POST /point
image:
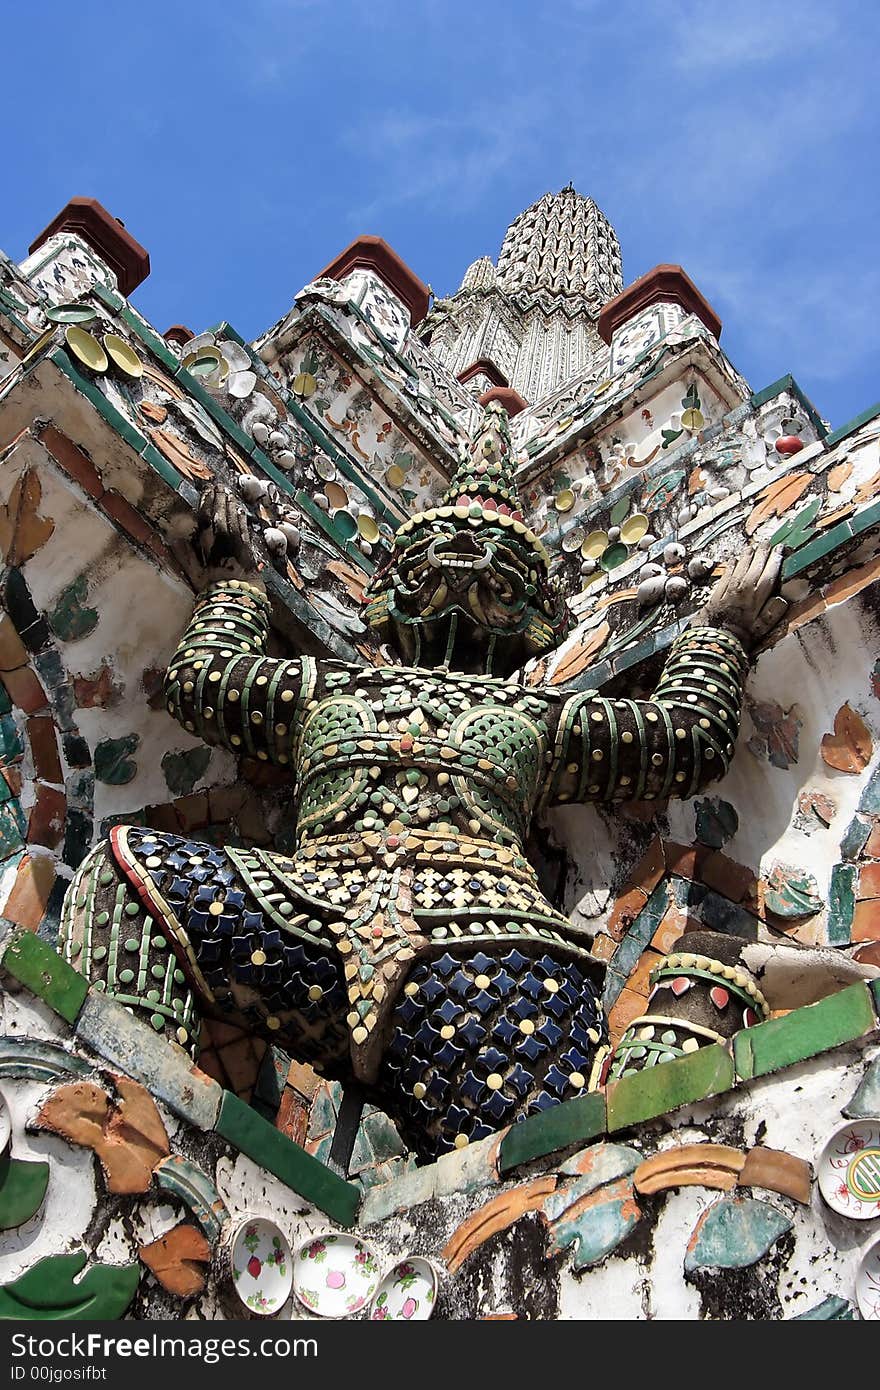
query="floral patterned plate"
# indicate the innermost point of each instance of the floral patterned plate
(849, 1170)
(868, 1284)
(407, 1292)
(262, 1267)
(335, 1275)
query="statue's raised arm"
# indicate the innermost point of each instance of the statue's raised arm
(220, 684)
(683, 738)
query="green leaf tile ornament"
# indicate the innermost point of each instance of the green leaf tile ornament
(733, 1233)
(71, 618)
(791, 892)
(22, 1189)
(113, 764)
(183, 770)
(716, 821)
(47, 1292)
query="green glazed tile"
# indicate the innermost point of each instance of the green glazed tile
(193, 1186)
(804, 1032)
(831, 1309)
(733, 1233)
(865, 1104)
(254, 1136)
(22, 1189)
(804, 557)
(875, 991)
(29, 1059)
(556, 1128)
(868, 516)
(647, 1094)
(47, 1292)
(841, 904)
(33, 963)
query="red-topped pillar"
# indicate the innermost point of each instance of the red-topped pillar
(665, 284)
(374, 254)
(106, 235)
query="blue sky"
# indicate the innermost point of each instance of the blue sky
(246, 144)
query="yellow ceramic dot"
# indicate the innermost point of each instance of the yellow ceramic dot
(657, 759)
(188, 724)
(597, 717)
(447, 1031)
(256, 717)
(681, 733)
(273, 1023)
(410, 989)
(461, 1141)
(626, 736)
(214, 676)
(494, 1081)
(281, 728)
(419, 1089)
(679, 776)
(704, 724)
(593, 1035)
(625, 781)
(187, 687)
(652, 715)
(597, 755)
(235, 740)
(154, 862)
(551, 986)
(578, 1080)
(287, 696)
(352, 1019)
(482, 982)
(527, 1027)
(215, 909)
(262, 680)
(258, 957)
(315, 992)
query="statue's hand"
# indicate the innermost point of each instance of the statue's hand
(746, 600)
(221, 546)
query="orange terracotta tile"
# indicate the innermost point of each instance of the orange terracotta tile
(690, 1165)
(832, 518)
(96, 692)
(725, 876)
(24, 690)
(868, 488)
(44, 748)
(581, 654)
(849, 584)
(685, 860)
(625, 910)
(124, 513)
(673, 924)
(869, 881)
(74, 462)
(47, 817)
(293, 1116)
(175, 1259)
(777, 498)
(304, 1080)
(777, 1172)
(849, 747)
(495, 1216)
(626, 1007)
(638, 980)
(603, 946)
(838, 475)
(34, 880)
(650, 868)
(804, 612)
(13, 652)
(31, 530)
(126, 1133)
(866, 920)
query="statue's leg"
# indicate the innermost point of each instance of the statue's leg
(123, 950)
(481, 1040)
(171, 928)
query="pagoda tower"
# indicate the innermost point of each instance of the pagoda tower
(529, 322)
